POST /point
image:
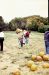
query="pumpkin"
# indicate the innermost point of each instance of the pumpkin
(34, 67)
(46, 57)
(39, 58)
(46, 65)
(41, 54)
(33, 57)
(16, 73)
(29, 63)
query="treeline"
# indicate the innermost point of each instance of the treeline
(3, 25)
(34, 23)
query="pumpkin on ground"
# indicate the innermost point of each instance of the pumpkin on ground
(29, 63)
(46, 65)
(33, 57)
(39, 58)
(41, 54)
(34, 67)
(17, 72)
(46, 57)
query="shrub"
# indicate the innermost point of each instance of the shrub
(33, 26)
(46, 27)
(41, 29)
(12, 26)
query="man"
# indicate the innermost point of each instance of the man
(1, 38)
(46, 38)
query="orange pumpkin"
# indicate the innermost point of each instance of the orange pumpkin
(17, 72)
(41, 54)
(34, 67)
(46, 57)
(39, 58)
(46, 65)
(33, 57)
(29, 63)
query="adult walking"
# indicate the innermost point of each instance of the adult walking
(1, 39)
(46, 38)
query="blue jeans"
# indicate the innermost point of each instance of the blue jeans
(27, 40)
(47, 47)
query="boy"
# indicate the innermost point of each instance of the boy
(21, 41)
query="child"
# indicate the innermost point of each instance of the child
(26, 35)
(24, 39)
(21, 41)
(1, 38)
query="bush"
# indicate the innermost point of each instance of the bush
(12, 26)
(33, 26)
(42, 29)
(29, 26)
(46, 27)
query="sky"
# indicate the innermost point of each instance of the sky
(10, 9)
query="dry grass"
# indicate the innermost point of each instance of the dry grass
(13, 57)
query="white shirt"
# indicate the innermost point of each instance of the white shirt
(1, 34)
(24, 40)
(25, 32)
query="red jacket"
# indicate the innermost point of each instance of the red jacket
(27, 34)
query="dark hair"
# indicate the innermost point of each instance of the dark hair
(0, 29)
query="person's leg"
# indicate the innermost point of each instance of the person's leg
(27, 40)
(21, 44)
(47, 48)
(1, 45)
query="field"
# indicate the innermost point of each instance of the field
(14, 57)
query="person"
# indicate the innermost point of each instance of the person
(46, 38)
(24, 40)
(26, 35)
(1, 38)
(21, 41)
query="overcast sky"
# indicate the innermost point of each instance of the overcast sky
(10, 9)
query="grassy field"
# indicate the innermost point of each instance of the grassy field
(12, 57)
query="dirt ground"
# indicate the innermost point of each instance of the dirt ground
(13, 57)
